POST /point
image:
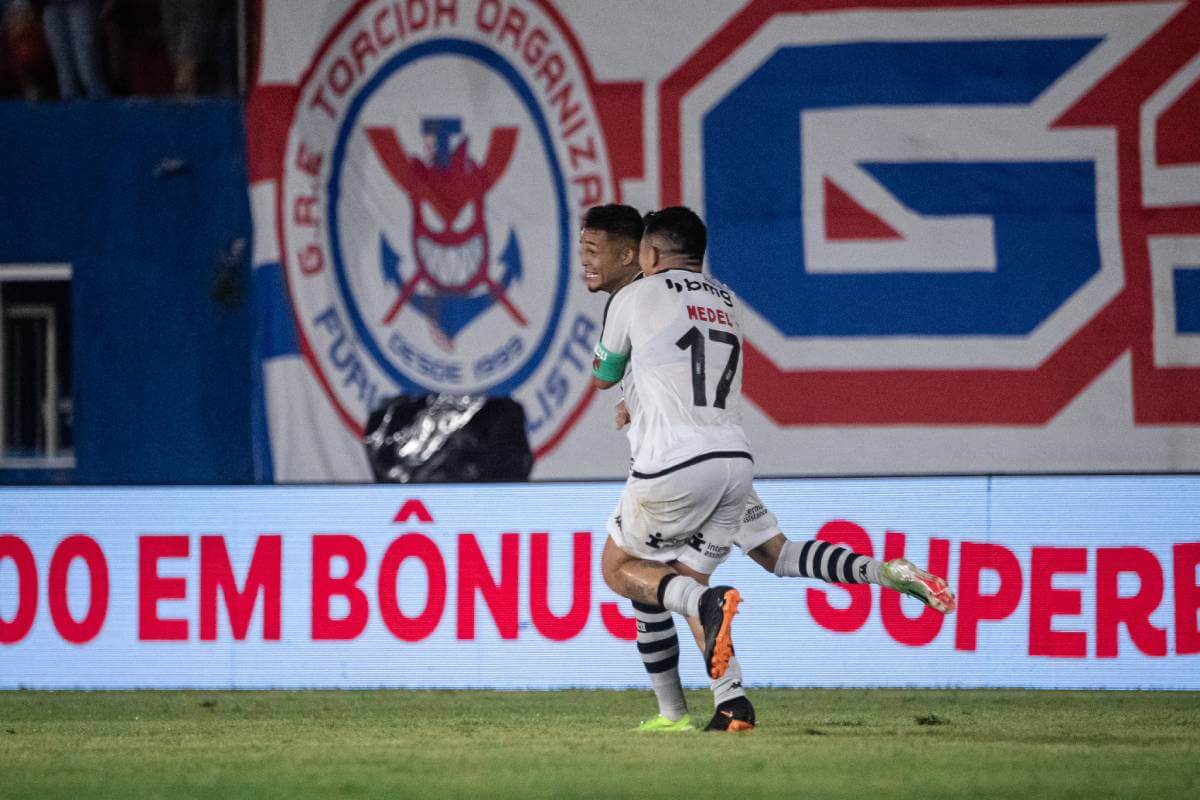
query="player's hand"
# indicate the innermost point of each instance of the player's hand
(622, 415)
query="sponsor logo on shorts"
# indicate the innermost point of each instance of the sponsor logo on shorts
(656, 541)
(707, 549)
(753, 513)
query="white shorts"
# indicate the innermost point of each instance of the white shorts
(759, 525)
(690, 514)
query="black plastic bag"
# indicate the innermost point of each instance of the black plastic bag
(444, 438)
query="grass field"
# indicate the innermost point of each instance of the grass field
(811, 743)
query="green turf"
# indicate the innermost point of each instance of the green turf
(811, 743)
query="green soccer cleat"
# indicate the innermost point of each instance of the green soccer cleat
(906, 578)
(661, 724)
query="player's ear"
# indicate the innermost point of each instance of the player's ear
(654, 254)
(629, 256)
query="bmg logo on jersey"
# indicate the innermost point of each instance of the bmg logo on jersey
(437, 167)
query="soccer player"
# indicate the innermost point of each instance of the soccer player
(678, 335)
(609, 245)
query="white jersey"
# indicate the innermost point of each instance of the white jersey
(677, 336)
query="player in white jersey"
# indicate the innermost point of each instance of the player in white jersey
(678, 336)
(609, 245)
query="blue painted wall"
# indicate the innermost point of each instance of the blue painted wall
(146, 200)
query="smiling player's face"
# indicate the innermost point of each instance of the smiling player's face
(608, 261)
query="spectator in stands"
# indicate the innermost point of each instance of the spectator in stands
(126, 47)
(70, 27)
(187, 27)
(133, 36)
(225, 45)
(24, 57)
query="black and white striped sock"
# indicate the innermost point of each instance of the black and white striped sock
(659, 646)
(831, 563)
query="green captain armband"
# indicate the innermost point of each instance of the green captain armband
(608, 366)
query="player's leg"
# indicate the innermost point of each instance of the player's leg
(633, 578)
(658, 645)
(760, 538)
(639, 579)
(733, 710)
(810, 558)
(707, 550)
(657, 641)
(653, 583)
(789, 558)
(728, 686)
(653, 524)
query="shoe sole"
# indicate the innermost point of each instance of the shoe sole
(937, 593)
(739, 726)
(723, 646)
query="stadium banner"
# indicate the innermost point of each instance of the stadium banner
(1063, 582)
(966, 234)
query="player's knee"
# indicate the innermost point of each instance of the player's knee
(763, 558)
(609, 576)
(696, 575)
(766, 555)
(610, 564)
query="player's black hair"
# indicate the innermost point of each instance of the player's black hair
(681, 229)
(615, 220)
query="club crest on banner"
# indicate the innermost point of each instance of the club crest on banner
(439, 161)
